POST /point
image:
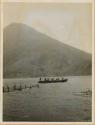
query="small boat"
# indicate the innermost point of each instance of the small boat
(52, 80)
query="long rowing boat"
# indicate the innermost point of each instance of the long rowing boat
(52, 80)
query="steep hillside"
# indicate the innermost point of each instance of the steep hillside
(29, 53)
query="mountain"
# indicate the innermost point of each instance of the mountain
(29, 53)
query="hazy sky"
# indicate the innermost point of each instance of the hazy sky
(67, 22)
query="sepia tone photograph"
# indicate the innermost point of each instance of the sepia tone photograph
(47, 62)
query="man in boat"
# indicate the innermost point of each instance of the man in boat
(62, 78)
(40, 78)
(52, 79)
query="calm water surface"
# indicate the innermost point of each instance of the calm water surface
(59, 102)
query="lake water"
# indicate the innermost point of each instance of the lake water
(58, 102)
